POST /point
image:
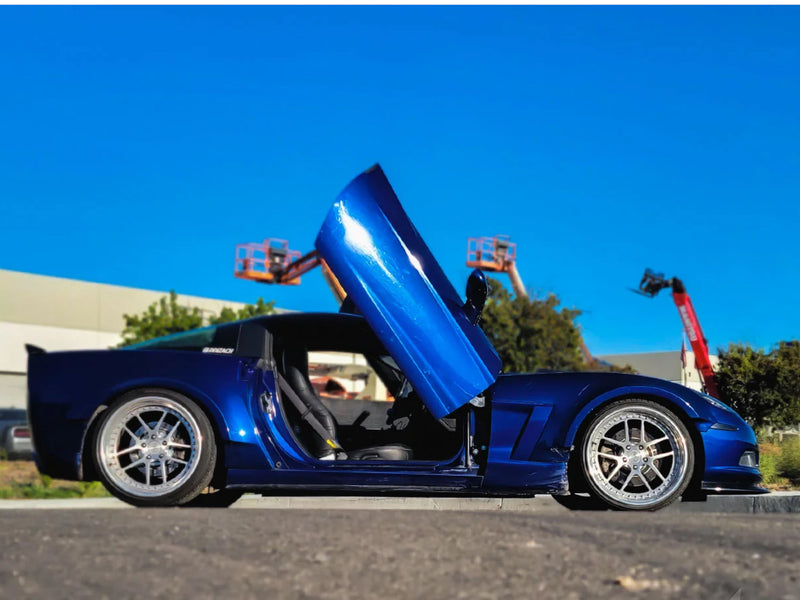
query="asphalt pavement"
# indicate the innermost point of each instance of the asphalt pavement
(349, 554)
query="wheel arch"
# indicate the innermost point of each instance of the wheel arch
(87, 470)
(682, 409)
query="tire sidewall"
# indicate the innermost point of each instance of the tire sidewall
(206, 460)
(613, 503)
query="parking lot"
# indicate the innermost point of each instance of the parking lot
(390, 553)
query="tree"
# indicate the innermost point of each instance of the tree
(531, 333)
(763, 387)
(226, 315)
(166, 317)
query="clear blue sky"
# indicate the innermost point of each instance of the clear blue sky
(139, 145)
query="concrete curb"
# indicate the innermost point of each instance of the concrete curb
(779, 502)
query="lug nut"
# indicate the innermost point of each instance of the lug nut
(635, 466)
(641, 447)
(144, 445)
(164, 443)
(627, 447)
(152, 437)
(624, 459)
(147, 457)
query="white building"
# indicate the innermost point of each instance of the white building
(664, 365)
(66, 314)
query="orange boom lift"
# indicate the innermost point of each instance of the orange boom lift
(271, 261)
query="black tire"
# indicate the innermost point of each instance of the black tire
(627, 470)
(151, 435)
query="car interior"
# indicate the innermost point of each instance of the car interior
(396, 427)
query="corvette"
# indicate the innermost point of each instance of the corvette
(200, 417)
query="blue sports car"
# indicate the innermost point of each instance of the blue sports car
(198, 418)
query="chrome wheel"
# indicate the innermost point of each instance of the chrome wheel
(637, 455)
(149, 447)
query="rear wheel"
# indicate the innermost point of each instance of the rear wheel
(155, 447)
(637, 455)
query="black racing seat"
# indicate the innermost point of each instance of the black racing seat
(295, 370)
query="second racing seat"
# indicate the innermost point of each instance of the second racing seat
(295, 370)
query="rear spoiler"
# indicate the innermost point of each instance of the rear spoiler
(31, 349)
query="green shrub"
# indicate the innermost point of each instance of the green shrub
(789, 459)
(3, 455)
(91, 489)
(768, 463)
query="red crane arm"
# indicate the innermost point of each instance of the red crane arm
(691, 324)
(649, 286)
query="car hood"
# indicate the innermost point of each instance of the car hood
(391, 276)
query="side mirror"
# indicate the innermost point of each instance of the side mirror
(477, 292)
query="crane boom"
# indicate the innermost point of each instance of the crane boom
(649, 286)
(273, 262)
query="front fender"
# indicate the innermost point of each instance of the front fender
(670, 399)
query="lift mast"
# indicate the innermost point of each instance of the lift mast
(649, 286)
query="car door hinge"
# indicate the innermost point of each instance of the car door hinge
(266, 403)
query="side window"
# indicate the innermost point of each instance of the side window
(351, 389)
(345, 376)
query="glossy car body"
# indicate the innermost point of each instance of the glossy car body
(516, 433)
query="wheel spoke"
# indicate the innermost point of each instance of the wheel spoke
(627, 432)
(614, 472)
(164, 471)
(658, 441)
(160, 421)
(178, 445)
(663, 455)
(135, 463)
(613, 441)
(141, 420)
(178, 460)
(643, 477)
(147, 474)
(609, 456)
(127, 450)
(627, 481)
(641, 433)
(656, 471)
(174, 430)
(130, 433)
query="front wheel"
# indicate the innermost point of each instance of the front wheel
(637, 455)
(155, 448)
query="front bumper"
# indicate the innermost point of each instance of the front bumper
(723, 472)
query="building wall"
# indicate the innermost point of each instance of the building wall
(663, 365)
(66, 314)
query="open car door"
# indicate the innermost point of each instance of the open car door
(390, 274)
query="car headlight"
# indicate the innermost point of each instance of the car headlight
(716, 403)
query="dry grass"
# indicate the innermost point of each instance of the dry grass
(20, 479)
